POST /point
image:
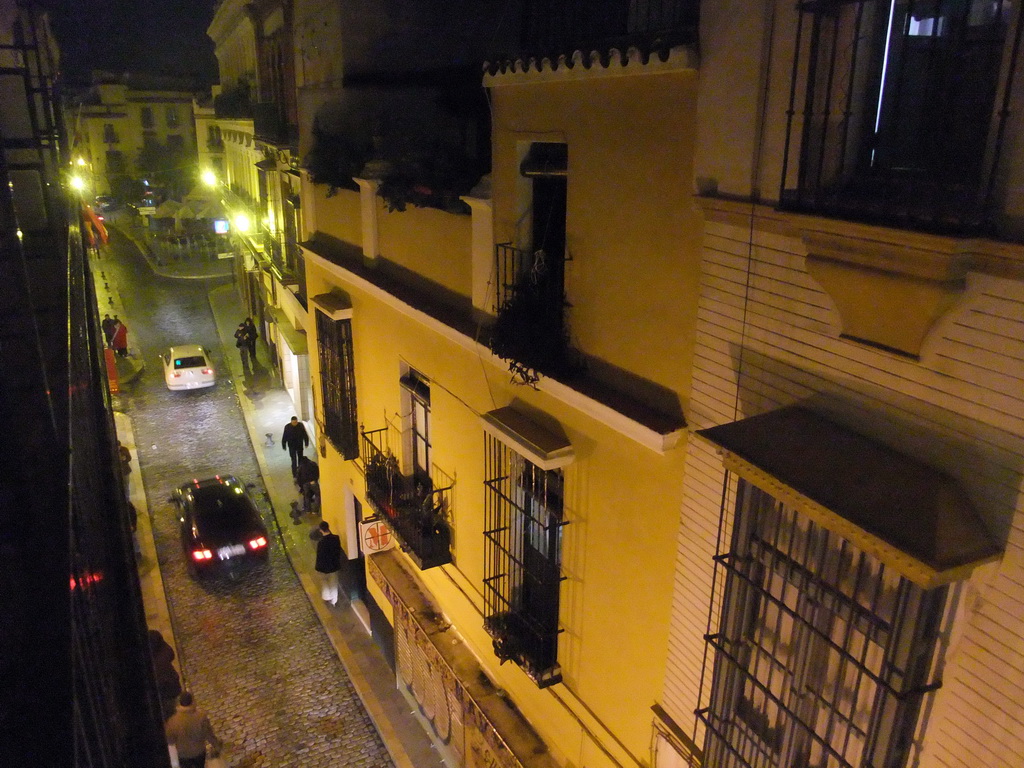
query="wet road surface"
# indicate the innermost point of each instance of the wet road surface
(250, 648)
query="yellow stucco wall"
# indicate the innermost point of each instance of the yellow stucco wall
(433, 243)
(618, 550)
(336, 214)
(631, 228)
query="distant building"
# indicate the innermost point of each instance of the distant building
(129, 128)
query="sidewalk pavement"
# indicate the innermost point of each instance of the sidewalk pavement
(266, 407)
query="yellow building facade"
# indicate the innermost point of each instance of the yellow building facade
(401, 306)
(119, 117)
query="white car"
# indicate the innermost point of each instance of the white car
(188, 367)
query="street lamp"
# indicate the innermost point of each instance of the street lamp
(242, 223)
(77, 183)
(210, 178)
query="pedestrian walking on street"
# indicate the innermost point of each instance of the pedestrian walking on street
(328, 563)
(107, 325)
(294, 439)
(119, 338)
(250, 337)
(242, 342)
(189, 731)
(306, 477)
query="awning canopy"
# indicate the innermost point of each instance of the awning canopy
(335, 305)
(544, 448)
(914, 518)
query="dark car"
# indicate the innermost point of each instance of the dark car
(221, 528)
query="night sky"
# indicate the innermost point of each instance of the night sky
(166, 37)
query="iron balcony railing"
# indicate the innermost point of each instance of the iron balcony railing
(416, 513)
(530, 330)
(898, 110)
(270, 124)
(559, 27)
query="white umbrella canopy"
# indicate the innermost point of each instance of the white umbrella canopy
(202, 194)
(167, 209)
(213, 210)
(184, 212)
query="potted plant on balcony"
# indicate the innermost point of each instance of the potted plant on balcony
(381, 476)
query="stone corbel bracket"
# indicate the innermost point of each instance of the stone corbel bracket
(890, 287)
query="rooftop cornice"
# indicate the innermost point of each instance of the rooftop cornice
(580, 65)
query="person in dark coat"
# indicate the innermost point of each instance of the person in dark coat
(306, 476)
(294, 439)
(107, 325)
(250, 337)
(242, 342)
(328, 563)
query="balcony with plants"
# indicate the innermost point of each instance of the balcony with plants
(414, 511)
(426, 143)
(530, 331)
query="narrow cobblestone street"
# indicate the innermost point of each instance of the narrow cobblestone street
(251, 649)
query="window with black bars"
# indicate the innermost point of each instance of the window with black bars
(897, 110)
(338, 384)
(823, 655)
(522, 561)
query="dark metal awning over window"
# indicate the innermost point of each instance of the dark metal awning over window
(267, 165)
(910, 516)
(541, 446)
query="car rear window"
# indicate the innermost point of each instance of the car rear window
(225, 512)
(195, 361)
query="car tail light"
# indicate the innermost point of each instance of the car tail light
(176, 374)
(258, 543)
(207, 371)
(201, 554)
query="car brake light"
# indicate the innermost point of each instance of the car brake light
(207, 371)
(258, 543)
(176, 374)
(202, 554)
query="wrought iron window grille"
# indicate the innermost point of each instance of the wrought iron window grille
(898, 110)
(338, 384)
(523, 522)
(822, 656)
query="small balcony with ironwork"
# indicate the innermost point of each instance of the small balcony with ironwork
(530, 331)
(415, 512)
(270, 124)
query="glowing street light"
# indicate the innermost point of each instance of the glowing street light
(77, 183)
(209, 178)
(242, 223)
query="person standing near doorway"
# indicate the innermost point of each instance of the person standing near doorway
(328, 563)
(294, 439)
